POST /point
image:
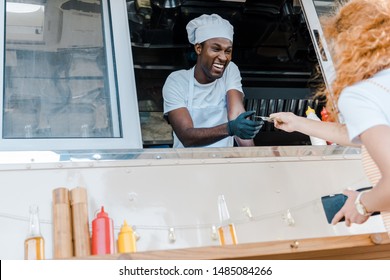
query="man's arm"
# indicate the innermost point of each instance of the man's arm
(235, 106)
(183, 126)
(180, 119)
(238, 124)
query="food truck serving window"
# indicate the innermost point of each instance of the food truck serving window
(68, 80)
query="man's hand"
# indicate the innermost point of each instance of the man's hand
(243, 127)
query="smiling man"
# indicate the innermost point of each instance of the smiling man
(204, 104)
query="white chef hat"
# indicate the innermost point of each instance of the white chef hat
(206, 27)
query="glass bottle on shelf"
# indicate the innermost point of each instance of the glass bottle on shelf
(34, 244)
(226, 229)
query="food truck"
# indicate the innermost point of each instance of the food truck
(81, 109)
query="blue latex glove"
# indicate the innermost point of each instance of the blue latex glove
(244, 128)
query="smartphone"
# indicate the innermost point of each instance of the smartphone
(334, 202)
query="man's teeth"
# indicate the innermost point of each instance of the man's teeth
(220, 66)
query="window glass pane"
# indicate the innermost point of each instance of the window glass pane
(324, 7)
(59, 81)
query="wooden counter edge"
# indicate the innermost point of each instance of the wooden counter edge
(350, 247)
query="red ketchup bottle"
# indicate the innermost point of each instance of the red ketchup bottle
(103, 241)
(324, 115)
(325, 118)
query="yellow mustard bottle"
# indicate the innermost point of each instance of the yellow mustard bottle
(311, 114)
(126, 239)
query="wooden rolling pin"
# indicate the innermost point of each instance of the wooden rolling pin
(62, 221)
(81, 235)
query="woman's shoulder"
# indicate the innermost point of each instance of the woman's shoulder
(375, 88)
(382, 77)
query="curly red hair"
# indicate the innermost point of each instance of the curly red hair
(358, 35)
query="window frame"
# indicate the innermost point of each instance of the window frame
(121, 74)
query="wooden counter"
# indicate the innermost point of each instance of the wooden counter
(352, 247)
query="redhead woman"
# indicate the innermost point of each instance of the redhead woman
(359, 41)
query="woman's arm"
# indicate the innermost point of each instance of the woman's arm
(330, 131)
(376, 140)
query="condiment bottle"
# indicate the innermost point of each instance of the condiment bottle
(126, 239)
(325, 118)
(226, 230)
(102, 234)
(34, 244)
(310, 114)
(324, 114)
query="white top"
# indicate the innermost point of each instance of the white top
(366, 104)
(206, 103)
